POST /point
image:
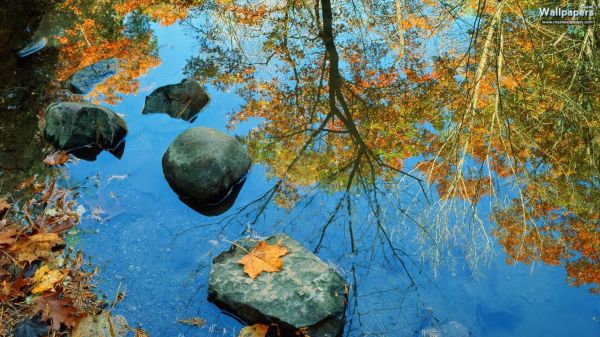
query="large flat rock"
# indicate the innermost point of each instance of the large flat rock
(306, 294)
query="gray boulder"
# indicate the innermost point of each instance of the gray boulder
(183, 100)
(306, 294)
(72, 125)
(203, 165)
(84, 81)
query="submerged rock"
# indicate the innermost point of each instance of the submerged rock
(306, 294)
(203, 165)
(84, 81)
(103, 325)
(183, 100)
(454, 329)
(450, 329)
(71, 126)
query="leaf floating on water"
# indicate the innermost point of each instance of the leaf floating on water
(56, 158)
(45, 279)
(139, 332)
(263, 258)
(97, 214)
(193, 321)
(256, 330)
(117, 177)
(31, 328)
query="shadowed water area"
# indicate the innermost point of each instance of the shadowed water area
(442, 157)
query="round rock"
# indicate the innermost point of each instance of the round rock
(203, 165)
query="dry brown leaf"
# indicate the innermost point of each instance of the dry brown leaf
(9, 291)
(45, 279)
(256, 330)
(58, 311)
(193, 321)
(263, 257)
(56, 158)
(36, 246)
(4, 206)
(7, 236)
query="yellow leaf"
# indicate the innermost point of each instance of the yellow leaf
(45, 279)
(263, 257)
(256, 330)
(36, 246)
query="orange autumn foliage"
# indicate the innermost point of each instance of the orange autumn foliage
(165, 12)
(136, 57)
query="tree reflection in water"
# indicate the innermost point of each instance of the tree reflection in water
(462, 103)
(410, 116)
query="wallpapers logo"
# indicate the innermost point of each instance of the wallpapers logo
(566, 16)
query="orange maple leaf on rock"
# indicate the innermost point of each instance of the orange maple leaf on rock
(263, 257)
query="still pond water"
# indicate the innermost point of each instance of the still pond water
(146, 241)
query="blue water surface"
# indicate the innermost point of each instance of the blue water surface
(144, 240)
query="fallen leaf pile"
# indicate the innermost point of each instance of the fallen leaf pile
(43, 289)
(263, 258)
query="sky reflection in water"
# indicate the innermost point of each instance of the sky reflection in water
(160, 250)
